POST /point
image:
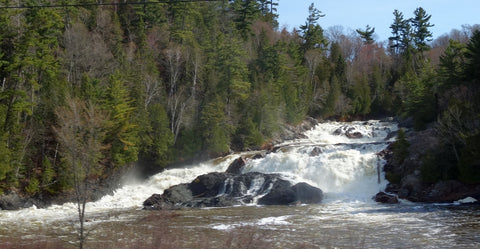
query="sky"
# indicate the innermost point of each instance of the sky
(357, 14)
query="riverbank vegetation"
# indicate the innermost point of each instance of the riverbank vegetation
(84, 84)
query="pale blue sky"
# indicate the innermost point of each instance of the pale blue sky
(354, 14)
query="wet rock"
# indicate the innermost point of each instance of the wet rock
(225, 189)
(411, 186)
(236, 166)
(316, 151)
(13, 201)
(283, 193)
(307, 194)
(447, 191)
(383, 197)
(206, 185)
(258, 156)
(391, 135)
(354, 135)
(348, 131)
(290, 132)
(280, 194)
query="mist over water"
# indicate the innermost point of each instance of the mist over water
(345, 168)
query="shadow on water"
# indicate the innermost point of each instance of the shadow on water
(437, 208)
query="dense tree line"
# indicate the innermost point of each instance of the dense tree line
(98, 87)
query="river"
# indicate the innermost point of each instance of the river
(346, 169)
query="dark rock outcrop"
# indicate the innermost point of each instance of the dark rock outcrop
(383, 197)
(226, 189)
(237, 166)
(406, 178)
(348, 131)
(290, 132)
(316, 151)
(13, 201)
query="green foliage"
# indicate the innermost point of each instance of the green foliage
(158, 139)
(123, 133)
(48, 175)
(469, 165)
(362, 101)
(333, 96)
(312, 32)
(472, 55)
(247, 135)
(421, 34)
(367, 34)
(410, 38)
(438, 165)
(214, 128)
(188, 144)
(398, 30)
(393, 178)
(400, 148)
(5, 163)
(452, 64)
(420, 100)
(246, 11)
(237, 80)
(33, 186)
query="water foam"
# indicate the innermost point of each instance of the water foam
(345, 168)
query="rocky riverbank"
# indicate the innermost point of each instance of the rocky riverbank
(407, 177)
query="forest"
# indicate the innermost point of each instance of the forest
(89, 88)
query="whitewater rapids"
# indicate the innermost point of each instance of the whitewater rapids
(344, 168)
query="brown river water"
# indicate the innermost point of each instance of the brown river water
(346, 170)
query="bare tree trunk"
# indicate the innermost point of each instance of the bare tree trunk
(81, 132)
(174, 62)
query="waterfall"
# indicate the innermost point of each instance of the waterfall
(339, 158)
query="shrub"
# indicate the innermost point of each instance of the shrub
(33, 186)
(400, 148)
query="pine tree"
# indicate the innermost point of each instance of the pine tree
(473, 57)
(312, 32)
(452, 64)
(421, 34)
(398, 27)
(367, 34)
(214, 128)
(246, 12)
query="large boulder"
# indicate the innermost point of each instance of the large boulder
(306, 193)
(237, 166)
(226, 189)
(13, 201)
(383, 197)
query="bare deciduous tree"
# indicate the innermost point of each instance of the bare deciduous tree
(80, 131)
(174, 60)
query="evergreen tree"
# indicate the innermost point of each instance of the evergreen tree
(397, 27)
(122, 135)
(214, 128)
(246, 12)
(452, 64)
(367, 34)
(312, 32)
(473, 57)
(421, 34)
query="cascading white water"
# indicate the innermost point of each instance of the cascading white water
(342, 167)
(339, 158)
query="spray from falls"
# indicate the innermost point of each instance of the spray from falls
(339, 158)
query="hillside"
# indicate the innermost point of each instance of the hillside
(88, 89)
